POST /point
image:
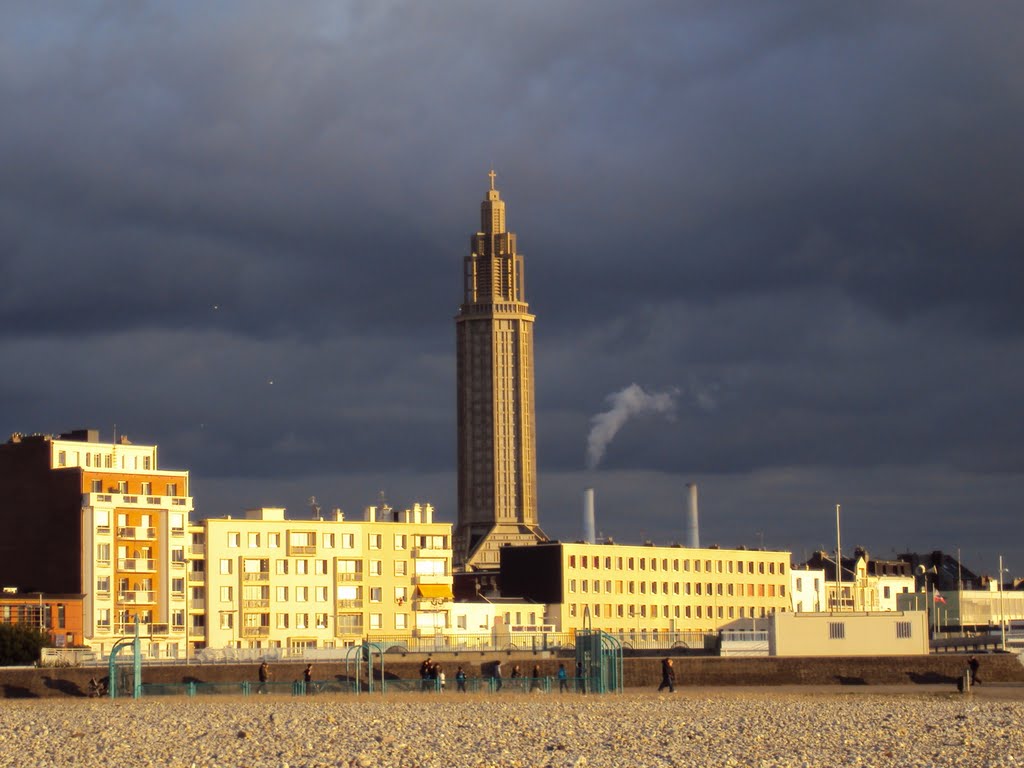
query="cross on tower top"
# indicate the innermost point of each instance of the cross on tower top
(492, 174)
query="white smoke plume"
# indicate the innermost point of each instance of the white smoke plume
(629, 402)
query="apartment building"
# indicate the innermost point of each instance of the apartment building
(271, 582)
(807, 593)
(864, 583)
(646, 588)
(103, 520)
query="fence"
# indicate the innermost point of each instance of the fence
(487, 685)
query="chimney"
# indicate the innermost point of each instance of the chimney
(692, 531)
(589, 535)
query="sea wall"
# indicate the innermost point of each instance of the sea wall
(637, 672)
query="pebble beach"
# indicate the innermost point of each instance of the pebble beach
(723, 727)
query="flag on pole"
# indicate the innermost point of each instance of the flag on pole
(939, 598)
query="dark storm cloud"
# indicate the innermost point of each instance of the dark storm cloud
(804, 217)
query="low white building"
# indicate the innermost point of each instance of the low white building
(850, 633)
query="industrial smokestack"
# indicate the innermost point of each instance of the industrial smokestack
(589, 535)
(692, 530)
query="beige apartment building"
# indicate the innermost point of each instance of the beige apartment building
(646, 589)
(103, 520)
(271, 582)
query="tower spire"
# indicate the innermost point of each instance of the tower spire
(492, 174)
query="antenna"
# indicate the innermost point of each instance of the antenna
(315, 507)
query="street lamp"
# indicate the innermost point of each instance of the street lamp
(1002, 614)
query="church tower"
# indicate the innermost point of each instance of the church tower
(497, 441)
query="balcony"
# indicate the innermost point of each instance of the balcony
(255, 631)
(432, 578)
(125, 499)
(261, 603)
(136, 564)
(136, 597)
(197, 604)
(258, 576)
(137, 533)
(197, 577)
(348, 629)
(145, 629)
(301, 550)
(435, 604)
(358, 603)
(431, 552)
(350, 576)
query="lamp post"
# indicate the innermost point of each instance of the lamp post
(1002, 615)
(839, 563)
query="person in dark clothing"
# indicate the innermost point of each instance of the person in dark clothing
(581, 681)
(973, 664)
(460, 680)
(535, 683)
(264, 675)
(307, 678)
(496, 674)
(515, 672)
(668, 676)
(563, 679)
(426, 670)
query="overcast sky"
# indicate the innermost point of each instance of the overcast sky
(236, 230)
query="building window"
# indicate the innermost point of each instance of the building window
(321, 594)
(572, 585)
(146, 489)
(225, 567)
(178, 586)
(301, 594)
(376, 567)
(375, 594)
(836, 630)
(375, 540)
(375, 621)
(320, 567)
(904, 630)
(282, 621)
(401, 568)
(103, 554)
(177, 554)
(401, 621)
(302, 621)
(282, 567)
(282, 594)
(225, 594)
(274, 540)
(122, 486)
(348, 541)
(233, 539)
(321, 620)
(399, 541)
(302, 567)
(253, 540)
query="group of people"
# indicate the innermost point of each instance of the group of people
(432, 676)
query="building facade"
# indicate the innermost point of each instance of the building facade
(645, 589)
(59, 616)
(101, 520)
(807, 590)
(497, 476)
(271, 582)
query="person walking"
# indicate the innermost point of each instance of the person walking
(973, 664)
(581, 681)
(496, 674)
(668, 676)
(563, 679)
(426, 668)
(460, 680)
(307, 678)
(535, 683)
(264, 675)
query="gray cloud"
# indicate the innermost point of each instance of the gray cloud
(810, 212)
